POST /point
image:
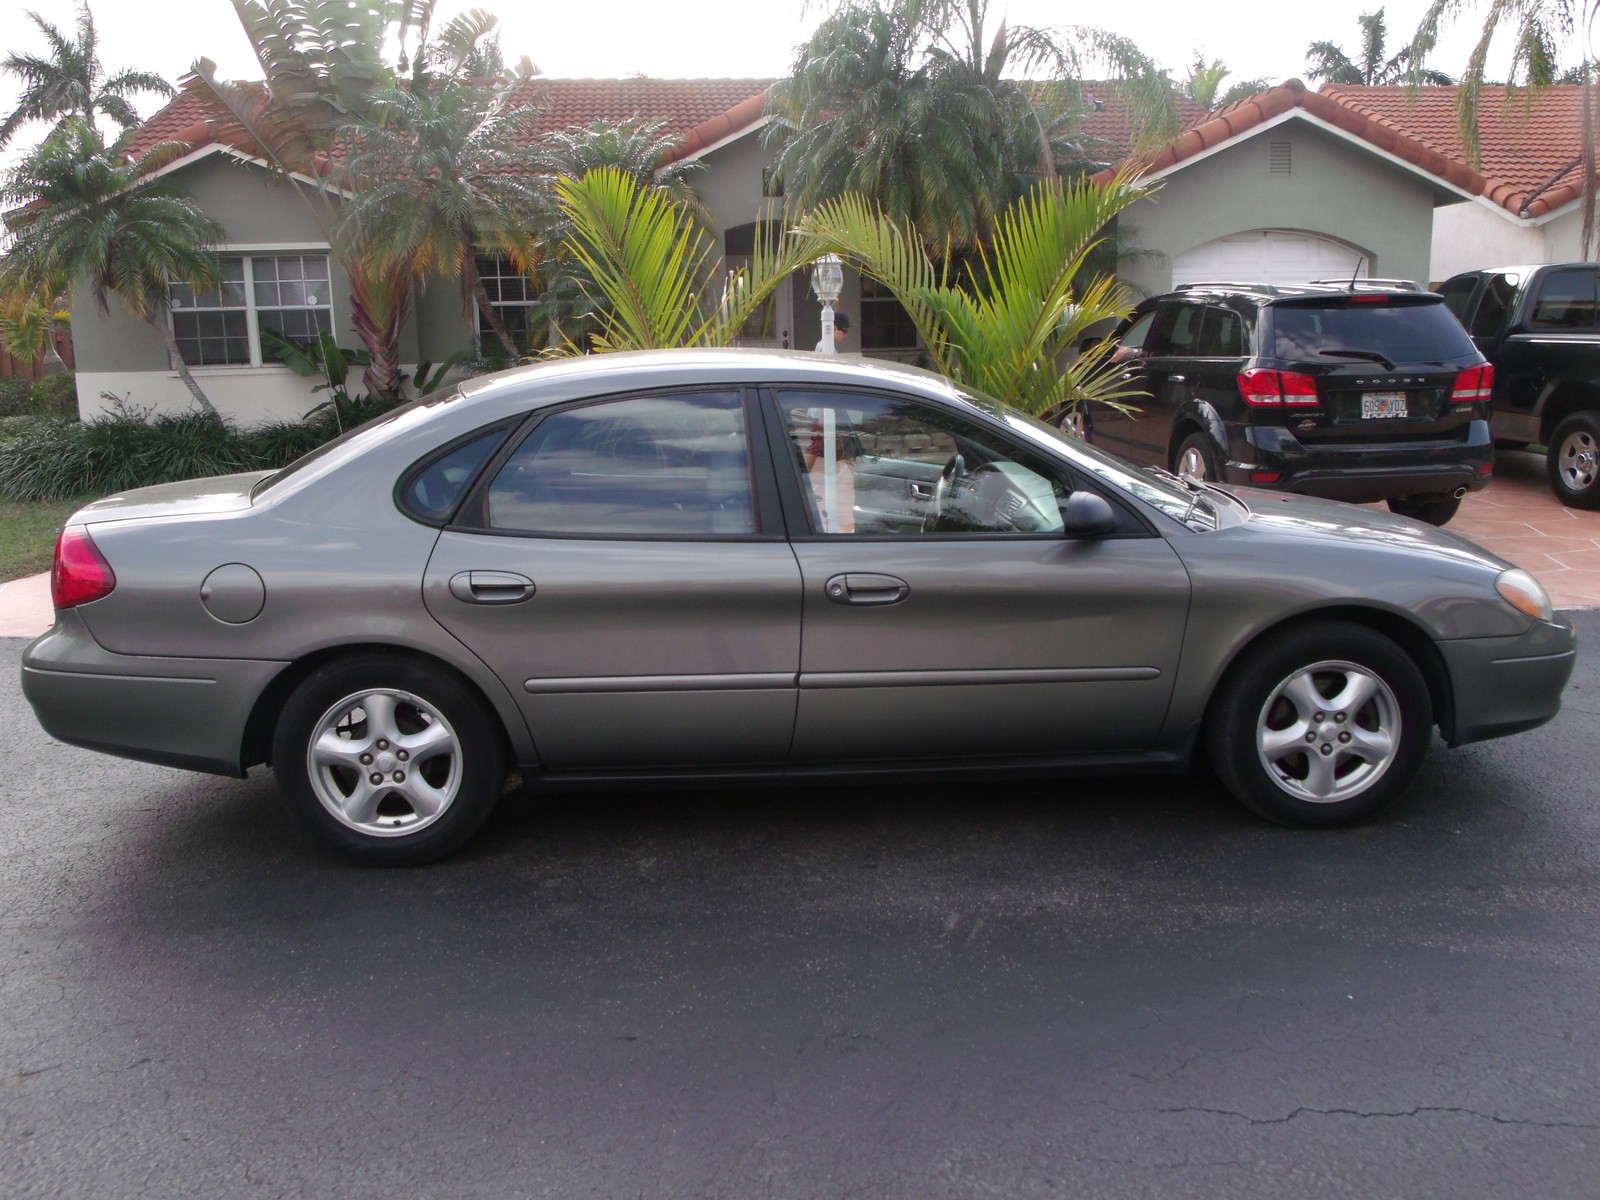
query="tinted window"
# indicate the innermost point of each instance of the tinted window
(1222, 335)
(432, 492)
(872, 465)
(1183, 331)
(1496, 303)
(1458, 294)
(1399, 332)
(1566, 301)
(1133, 338)
(673, 464)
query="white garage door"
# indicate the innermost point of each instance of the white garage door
(1267, 256)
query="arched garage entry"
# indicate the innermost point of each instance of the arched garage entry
(1268, 256)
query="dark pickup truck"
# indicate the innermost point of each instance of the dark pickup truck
(1540, 328)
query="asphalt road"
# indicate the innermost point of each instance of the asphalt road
(1109, 988)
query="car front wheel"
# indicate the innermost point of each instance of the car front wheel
(1574, 460)
(387, 759)
(1323, 725)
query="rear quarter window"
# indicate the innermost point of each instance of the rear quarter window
(1399, 332)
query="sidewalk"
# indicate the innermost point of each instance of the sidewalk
(1516, 516)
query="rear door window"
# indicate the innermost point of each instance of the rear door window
(1490, 318)
(1396, 332)
(1566, 301)
(1222, 335)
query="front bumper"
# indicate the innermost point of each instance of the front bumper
(1364, 473)
(179, 712)
(1501, 686)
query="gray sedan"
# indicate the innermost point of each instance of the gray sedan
(711, 566)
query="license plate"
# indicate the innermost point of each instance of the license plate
(1383, 404)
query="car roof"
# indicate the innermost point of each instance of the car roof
(667, 368)
(1269, 292)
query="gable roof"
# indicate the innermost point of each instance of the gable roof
(1531, 142)
(1212, 130)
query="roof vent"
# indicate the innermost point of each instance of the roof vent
(1280, 158)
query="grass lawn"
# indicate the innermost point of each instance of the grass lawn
(28, 536)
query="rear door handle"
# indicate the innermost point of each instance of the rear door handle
(867, 589)
(490, 587)
(1178, 378)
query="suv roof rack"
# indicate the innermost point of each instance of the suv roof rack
(1228, 285)
(1386, 285)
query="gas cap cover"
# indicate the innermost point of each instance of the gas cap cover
(234, 594)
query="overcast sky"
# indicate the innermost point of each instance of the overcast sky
(1257, 38)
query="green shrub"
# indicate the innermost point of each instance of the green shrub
(16, 397)
(57, 394)
(56, 459)
(23, 425)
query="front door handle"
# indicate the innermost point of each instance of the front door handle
(1178, 378)
(490, 587)
(869, 589)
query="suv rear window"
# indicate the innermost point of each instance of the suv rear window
(1398, 332)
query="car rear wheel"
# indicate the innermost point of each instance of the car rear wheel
(1434, 511)
(1197, 458)
(1574, 460)
(389, 760)
(1321, 726)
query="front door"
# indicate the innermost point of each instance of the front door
(945, 614)
(615, 574)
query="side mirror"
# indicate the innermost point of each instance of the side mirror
(1087, 515)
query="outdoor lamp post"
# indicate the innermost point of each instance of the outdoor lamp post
(827, 281)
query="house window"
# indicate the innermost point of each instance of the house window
(514, 298)
(285, 294)
(885, 325)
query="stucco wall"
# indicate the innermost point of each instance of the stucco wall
(1563, 237)
(126, 357)
(1333, 189)
(1469, 237)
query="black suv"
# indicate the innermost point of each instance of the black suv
(1356, 393)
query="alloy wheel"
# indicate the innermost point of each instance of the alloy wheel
(1328, 732)
(384, 762)
(1578, 460)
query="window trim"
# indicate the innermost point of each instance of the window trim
(472, 513)
(248, 253)
(505, 428)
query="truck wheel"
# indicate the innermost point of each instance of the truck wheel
(1197, 458)
(1435, 510)
(1574, 460)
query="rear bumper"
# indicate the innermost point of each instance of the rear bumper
(178, 712)
(1501, 686)
(1362, 474)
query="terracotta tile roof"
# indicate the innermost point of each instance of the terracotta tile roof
(699, 111)
(1110, 115)
(1531, 143)
(1384, 134)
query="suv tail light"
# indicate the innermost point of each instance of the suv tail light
(81, 573)
(1264, 388)
(1473, 385)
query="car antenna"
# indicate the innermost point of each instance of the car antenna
(1352, 288)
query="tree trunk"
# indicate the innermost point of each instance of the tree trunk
(379, 332)
(481, 295)
(158, 318)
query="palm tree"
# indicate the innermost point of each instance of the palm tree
(1204, 84)
(1539, 29)
(914, 104)
(1008, 324)
(325, 69)
(467, 147)
(1330, 63)
(89, 216)
(650, 269)
(68, 80)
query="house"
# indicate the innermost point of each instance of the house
(1531, 158)
(1287, 186)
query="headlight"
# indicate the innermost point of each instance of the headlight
(1525, 594)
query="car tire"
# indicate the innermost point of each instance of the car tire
(1574, 460)
(424, 764)
(1359, 758)
(1432, 511)
(1197, 456)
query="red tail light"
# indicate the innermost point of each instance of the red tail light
(1473, 385)
(81, 573)
(1263, 387)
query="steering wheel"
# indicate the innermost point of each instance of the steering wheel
(954, 470)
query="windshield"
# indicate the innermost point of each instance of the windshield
(1162, 491)
(1398, 332)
